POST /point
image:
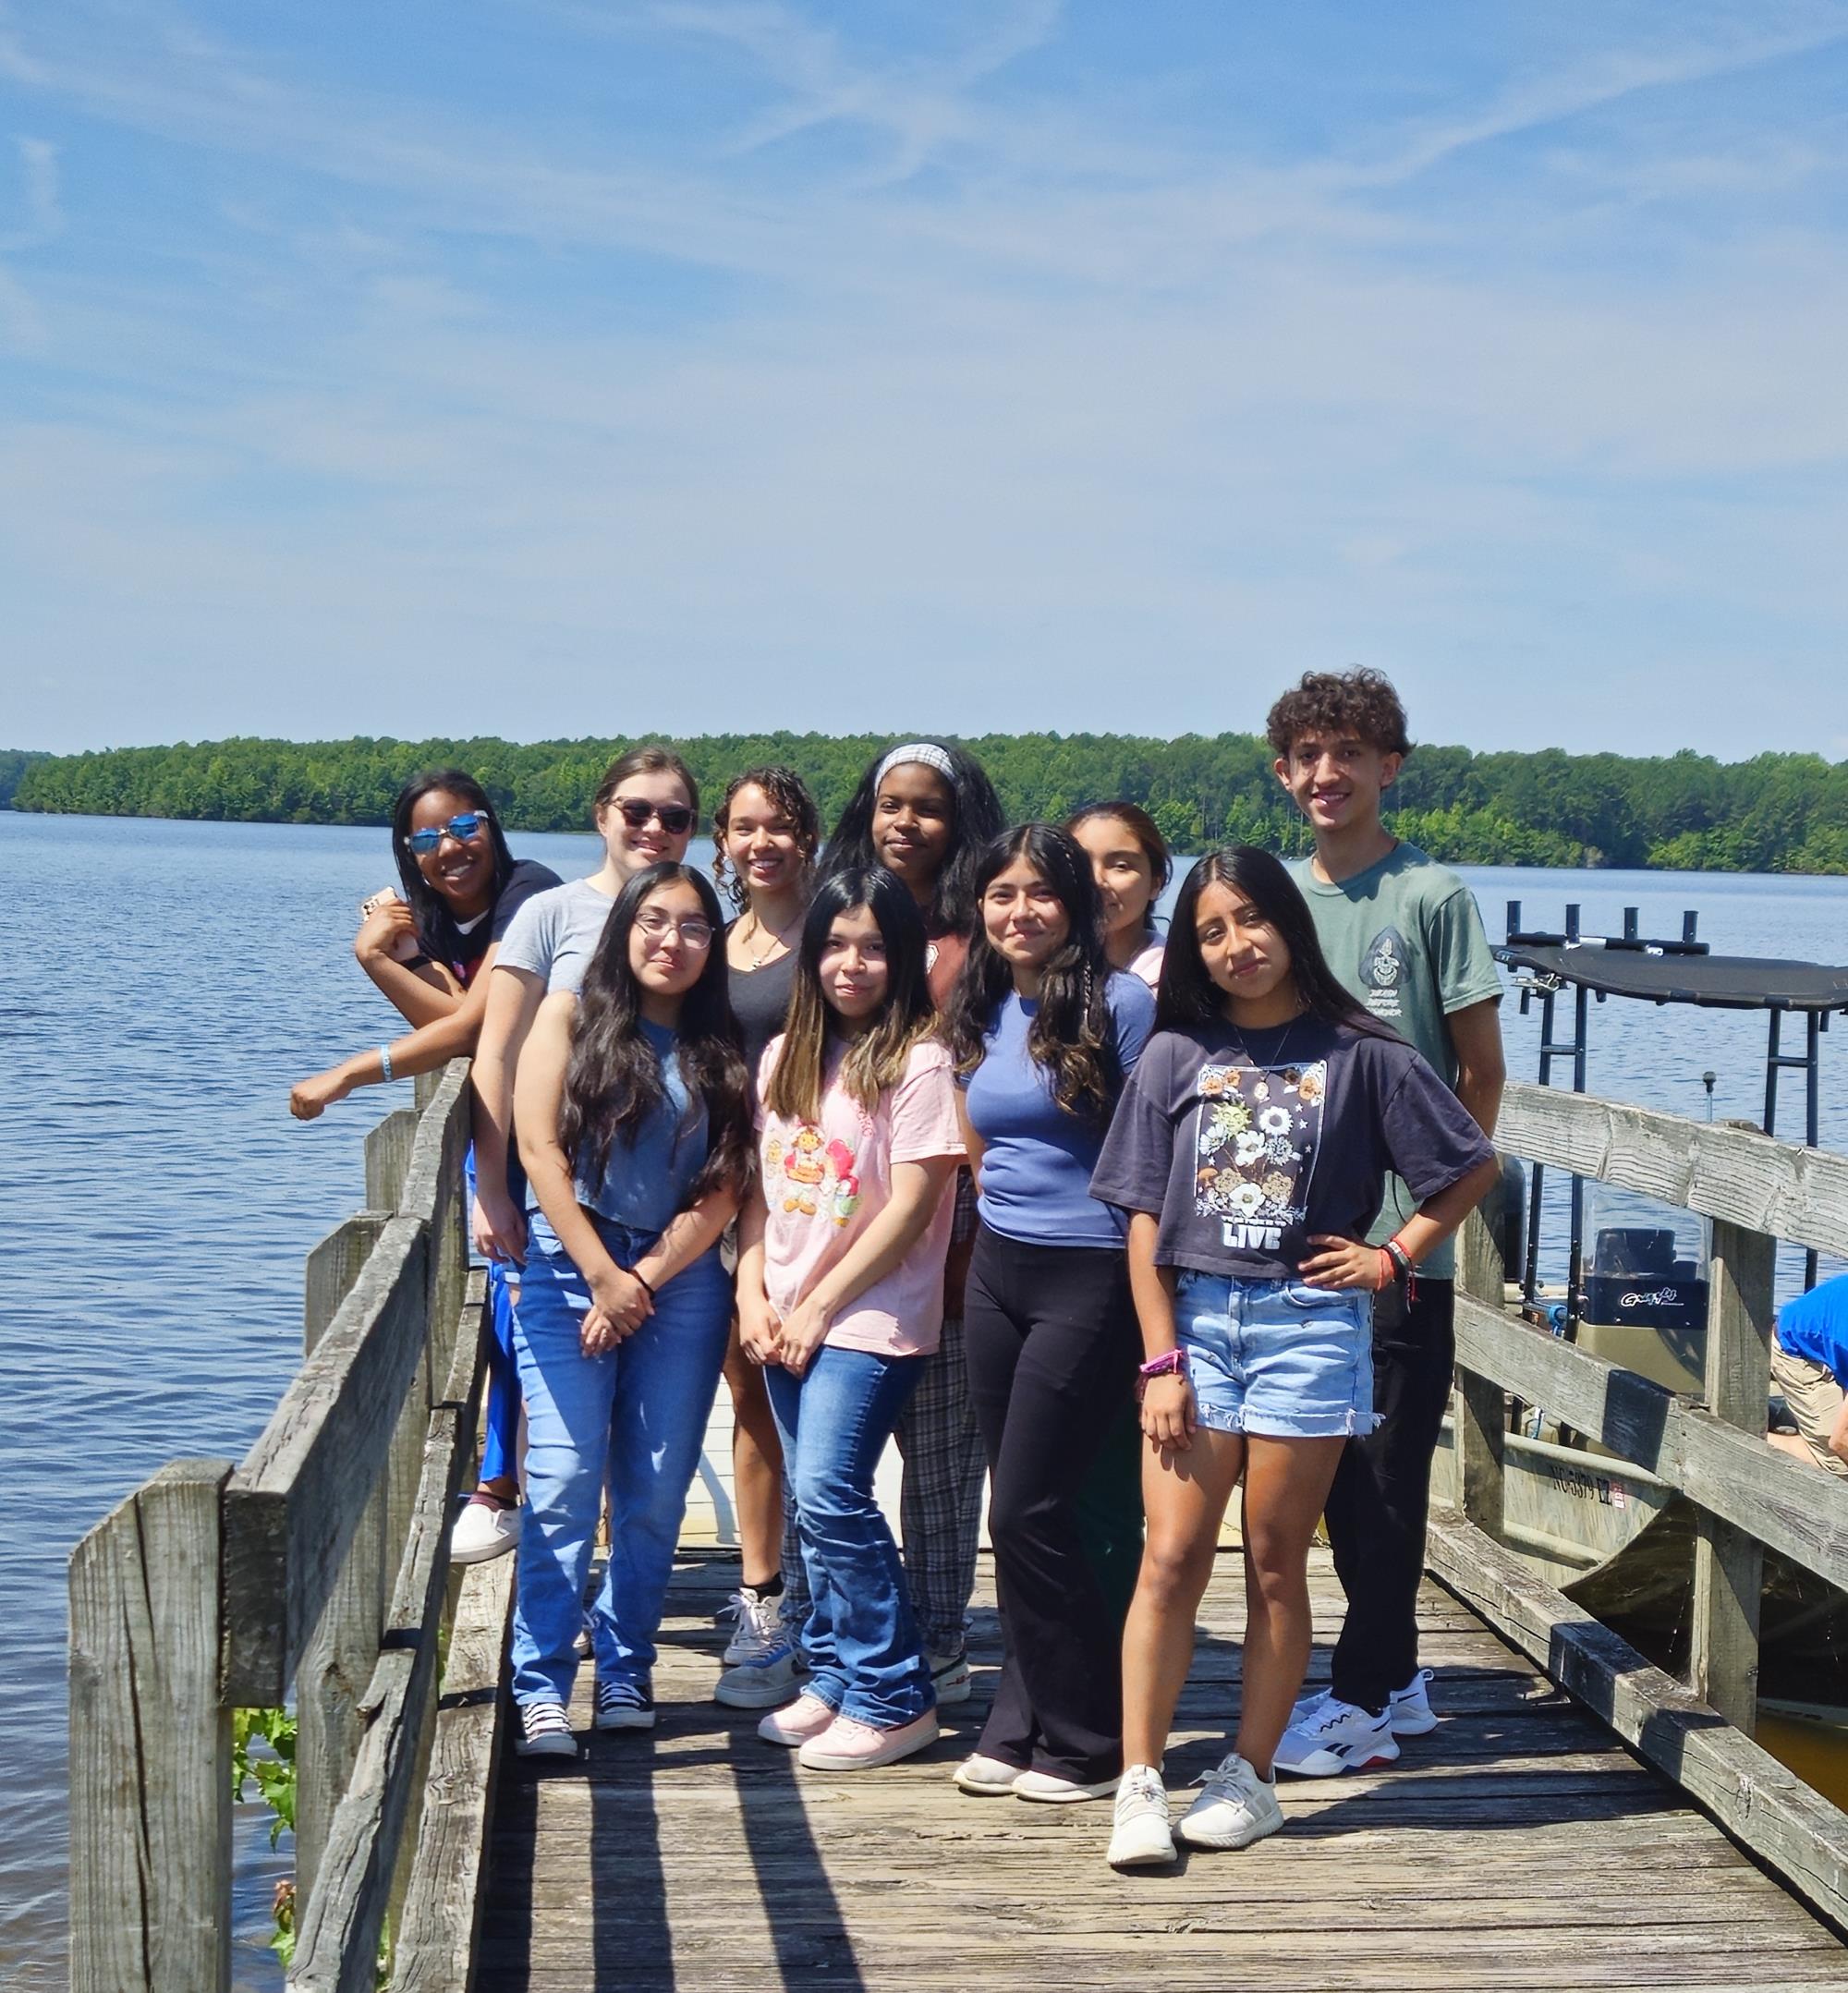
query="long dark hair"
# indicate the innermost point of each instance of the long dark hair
(613, 1081)
(875, 1058)
(428, 909)
(1071, 1035)
(1189, 996)
(976, 817)
(788, 790)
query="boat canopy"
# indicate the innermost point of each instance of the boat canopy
(1716, 982)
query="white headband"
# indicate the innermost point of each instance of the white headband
(923, 751)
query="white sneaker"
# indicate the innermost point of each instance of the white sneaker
(1236, 1808)
(764, 1681)
(1306, 1705)
(758, 1624)
(545, 1731)
(1337, 1737)
(949, 1677)
(483, 1531)
(987, 1777)
(1410, 1707)
(1051, 1790)
(1140, 1835)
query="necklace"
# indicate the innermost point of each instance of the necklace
(779, 938)
(1276, 1058)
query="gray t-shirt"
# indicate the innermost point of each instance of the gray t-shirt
(1404, 939)
(555, 934)
(1248, 1143)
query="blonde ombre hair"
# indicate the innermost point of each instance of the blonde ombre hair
(875, 1058)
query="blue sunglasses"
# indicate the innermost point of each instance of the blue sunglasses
(464, 829)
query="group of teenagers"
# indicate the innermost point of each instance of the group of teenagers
(932, 1136)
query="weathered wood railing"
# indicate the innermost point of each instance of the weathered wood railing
(1710, 1449)
(320, 1563)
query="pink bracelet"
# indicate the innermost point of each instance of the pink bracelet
(1170, 1363)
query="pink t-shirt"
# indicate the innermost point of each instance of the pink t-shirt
(825, 1183)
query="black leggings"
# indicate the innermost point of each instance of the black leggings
(1376, 1510)
(1053, 1350)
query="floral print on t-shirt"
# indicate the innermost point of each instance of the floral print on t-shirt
(1257, 1130)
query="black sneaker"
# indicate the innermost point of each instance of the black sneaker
(624, 1705)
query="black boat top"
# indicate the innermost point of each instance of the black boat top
(1657, 975)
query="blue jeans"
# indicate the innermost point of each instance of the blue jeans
(635, 1417)
(860, 1640)
(500, 1423)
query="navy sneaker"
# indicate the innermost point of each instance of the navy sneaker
(624, 1705)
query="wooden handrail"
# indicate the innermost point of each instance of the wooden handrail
(320, 1560)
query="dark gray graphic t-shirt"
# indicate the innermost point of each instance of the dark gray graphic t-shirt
(1246, 1144)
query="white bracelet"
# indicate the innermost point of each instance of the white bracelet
(385, 1063)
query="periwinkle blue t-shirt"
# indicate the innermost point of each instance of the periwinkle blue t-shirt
(1816, 1325)
(1037, 1158)
(646, 1183)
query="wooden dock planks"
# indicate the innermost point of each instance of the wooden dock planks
(1520, 1847)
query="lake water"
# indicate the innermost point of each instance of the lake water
(161, 985)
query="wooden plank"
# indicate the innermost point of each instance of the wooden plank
(1745, 1178)
(1729, 1564)
(1788, 1507)
(388, 1152)
(1769, 1809)
(332, 1266)
(294, 1505)
(1480, 1409)
(440, 1921)
(338, 1946)
(151, 1743)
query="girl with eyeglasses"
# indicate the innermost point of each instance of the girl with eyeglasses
(1249, 1152)
(765, 835)
(926, 812)
(1044, 1034)
(634, 1120)
(429, 953)
(644, 810)
(841, 1298)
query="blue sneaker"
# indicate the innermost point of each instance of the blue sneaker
(624, 1705)
(766, 1680)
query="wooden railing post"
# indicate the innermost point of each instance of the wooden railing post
(1728, 1564)
(151, 1743)
(1481, 1412)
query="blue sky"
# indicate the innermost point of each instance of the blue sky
(578, 369)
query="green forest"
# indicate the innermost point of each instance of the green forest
(1775, 813)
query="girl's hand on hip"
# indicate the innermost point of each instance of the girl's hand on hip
(800, 1336)
(1168, 1419)
(1343, 1263)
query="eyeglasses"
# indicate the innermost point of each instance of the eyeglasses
(675, 818)
(464, 829)
(695, 933)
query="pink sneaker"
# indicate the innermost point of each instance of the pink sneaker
(847, 1744)
(807, 1717)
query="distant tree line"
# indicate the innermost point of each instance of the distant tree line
(14, 762)
(1776, 813)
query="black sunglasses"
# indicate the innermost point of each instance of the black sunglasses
(464, 829)
(674, 817)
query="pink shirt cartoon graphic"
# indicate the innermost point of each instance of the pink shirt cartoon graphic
(824, 1184)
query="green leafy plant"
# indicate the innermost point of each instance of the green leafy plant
(262, 1756)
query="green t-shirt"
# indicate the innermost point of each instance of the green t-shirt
(1405, 938)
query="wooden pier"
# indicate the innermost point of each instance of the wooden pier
(1578, 1819)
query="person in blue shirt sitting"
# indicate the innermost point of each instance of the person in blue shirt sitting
(1809, 1365)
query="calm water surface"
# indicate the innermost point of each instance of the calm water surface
(163, 984)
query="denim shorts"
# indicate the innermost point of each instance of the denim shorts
(1278, 1358)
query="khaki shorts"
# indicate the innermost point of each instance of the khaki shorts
(1815, 1399)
